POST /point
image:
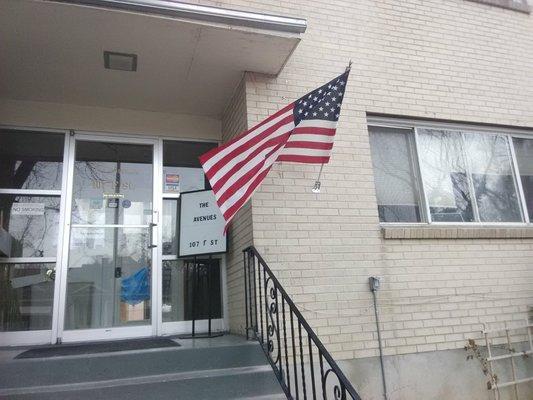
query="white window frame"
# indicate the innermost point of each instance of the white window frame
(414, 126)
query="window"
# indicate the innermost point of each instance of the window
(392, 159)
(30, 160)
(444, 176)
(452, 175)
(182, 172)
(524, 157)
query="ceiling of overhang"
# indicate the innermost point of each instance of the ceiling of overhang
(54, 52)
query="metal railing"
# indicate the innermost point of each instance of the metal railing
(301, 363)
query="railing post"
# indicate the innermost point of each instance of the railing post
(247, 327)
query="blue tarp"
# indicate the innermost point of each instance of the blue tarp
(136, 287)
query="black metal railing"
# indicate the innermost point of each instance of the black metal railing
(303, 366)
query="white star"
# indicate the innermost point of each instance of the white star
(300, 102)
(327, 103)
(306, 113)
(300, 111)
(310, 106)
(309, 96)
(321, 109)
(305, 103)
(329, 86)
(334, 87)
(326, 114)
(333, 98)
(319, 91)
(338, 105)
(332, 109)
(314, 114)
(342, 83)
(340, 94)
(337, 116)
(315, 98)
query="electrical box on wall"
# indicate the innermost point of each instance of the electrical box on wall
(375, 283)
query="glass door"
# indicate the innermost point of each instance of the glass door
(108, 286)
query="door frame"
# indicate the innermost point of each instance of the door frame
(60, 334)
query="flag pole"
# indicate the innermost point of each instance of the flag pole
(316, 187)
(349, 66)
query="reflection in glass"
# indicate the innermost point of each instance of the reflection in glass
(170, 226)
(32, 223)
(444, 175)
(180, 289)
(30, 160)
(396, 191)
(108, 280)
(524, 157)
(112, 184)
(26, 297)
(493, 179)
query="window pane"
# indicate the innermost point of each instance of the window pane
(524, 157)
(183, 295)
(493, 179)
(26, 297)
(112, 183)
(444, 175)
(30, 160)
(32, 224)
(170, 226)
(396, 190)
(182, 171)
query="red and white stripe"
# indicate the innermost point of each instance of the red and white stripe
(236, 168)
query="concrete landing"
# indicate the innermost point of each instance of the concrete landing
(227, 367)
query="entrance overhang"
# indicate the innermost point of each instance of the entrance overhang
(189, 58)
(201, 13)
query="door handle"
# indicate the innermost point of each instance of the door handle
(151, 228)
(51, 274)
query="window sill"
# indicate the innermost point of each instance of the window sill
(456, 232)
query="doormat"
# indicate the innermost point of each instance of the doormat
(100, 347)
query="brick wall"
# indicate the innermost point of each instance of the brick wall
(240, 235)
(454, 59)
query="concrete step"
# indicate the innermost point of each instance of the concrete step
(257, 385)
(235, 371)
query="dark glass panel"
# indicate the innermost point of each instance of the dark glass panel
(182, 171)
(30, 160)
(184, 295)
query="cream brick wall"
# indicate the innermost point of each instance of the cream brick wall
(453, 59)
(240, 236)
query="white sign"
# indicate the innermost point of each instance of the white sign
(201, 225)
(27, 209)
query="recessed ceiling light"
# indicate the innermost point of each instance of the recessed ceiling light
(120, 61)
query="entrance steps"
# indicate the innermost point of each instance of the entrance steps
(222, 368)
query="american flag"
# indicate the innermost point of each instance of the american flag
(301, 132)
